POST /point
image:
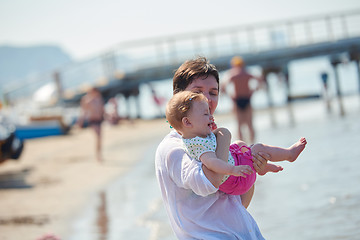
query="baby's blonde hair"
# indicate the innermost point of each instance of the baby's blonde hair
(179, 106)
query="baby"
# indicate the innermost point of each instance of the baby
(188, 113)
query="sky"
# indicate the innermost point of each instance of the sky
(85, 28)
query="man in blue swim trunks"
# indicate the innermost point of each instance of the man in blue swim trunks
(240, 78)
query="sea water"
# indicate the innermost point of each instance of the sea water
(315, 197)
(305, 79)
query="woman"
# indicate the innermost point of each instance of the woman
(197, 210)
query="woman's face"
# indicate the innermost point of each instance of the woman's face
(209, 87)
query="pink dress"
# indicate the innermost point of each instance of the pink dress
(234, 185)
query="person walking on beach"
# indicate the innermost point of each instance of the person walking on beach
(195, 207)
(243, 111)
(92, 106)
(188, 113)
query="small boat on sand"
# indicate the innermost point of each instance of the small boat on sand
(42, 127)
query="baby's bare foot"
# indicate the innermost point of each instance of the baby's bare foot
(296, 149)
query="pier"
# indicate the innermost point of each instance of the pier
(269, 45)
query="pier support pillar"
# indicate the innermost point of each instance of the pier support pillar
(334, 62)
(133, 92)
(355, 56)
(265, 74)
(285, 72)
(357, 63)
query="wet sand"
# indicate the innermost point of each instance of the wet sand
(55, 176)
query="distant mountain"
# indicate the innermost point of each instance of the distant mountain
(16, 63)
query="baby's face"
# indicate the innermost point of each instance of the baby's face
(200, 118)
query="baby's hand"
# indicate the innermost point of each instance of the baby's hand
(242, 170)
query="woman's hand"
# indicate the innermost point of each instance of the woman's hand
(260, 161)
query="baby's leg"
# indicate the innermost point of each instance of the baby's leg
(269, 167)
(281, 154)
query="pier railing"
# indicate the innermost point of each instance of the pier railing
(131, 56)
(240, 39)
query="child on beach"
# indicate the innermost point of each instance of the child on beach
(188, 113)
(92, 106)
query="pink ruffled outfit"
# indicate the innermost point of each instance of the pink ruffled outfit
(236, 185)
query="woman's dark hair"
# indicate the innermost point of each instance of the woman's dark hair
(192, 69)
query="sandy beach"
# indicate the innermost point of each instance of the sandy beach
(61, 172)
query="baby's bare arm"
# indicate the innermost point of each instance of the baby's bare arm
(215, 164)
(222, 151)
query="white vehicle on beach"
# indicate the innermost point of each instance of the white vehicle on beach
(10, 146)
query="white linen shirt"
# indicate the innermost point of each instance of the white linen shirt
(196, 209)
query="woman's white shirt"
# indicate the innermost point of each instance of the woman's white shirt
(196, 209)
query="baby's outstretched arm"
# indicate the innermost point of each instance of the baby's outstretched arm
(215, 164)
(223, 138)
